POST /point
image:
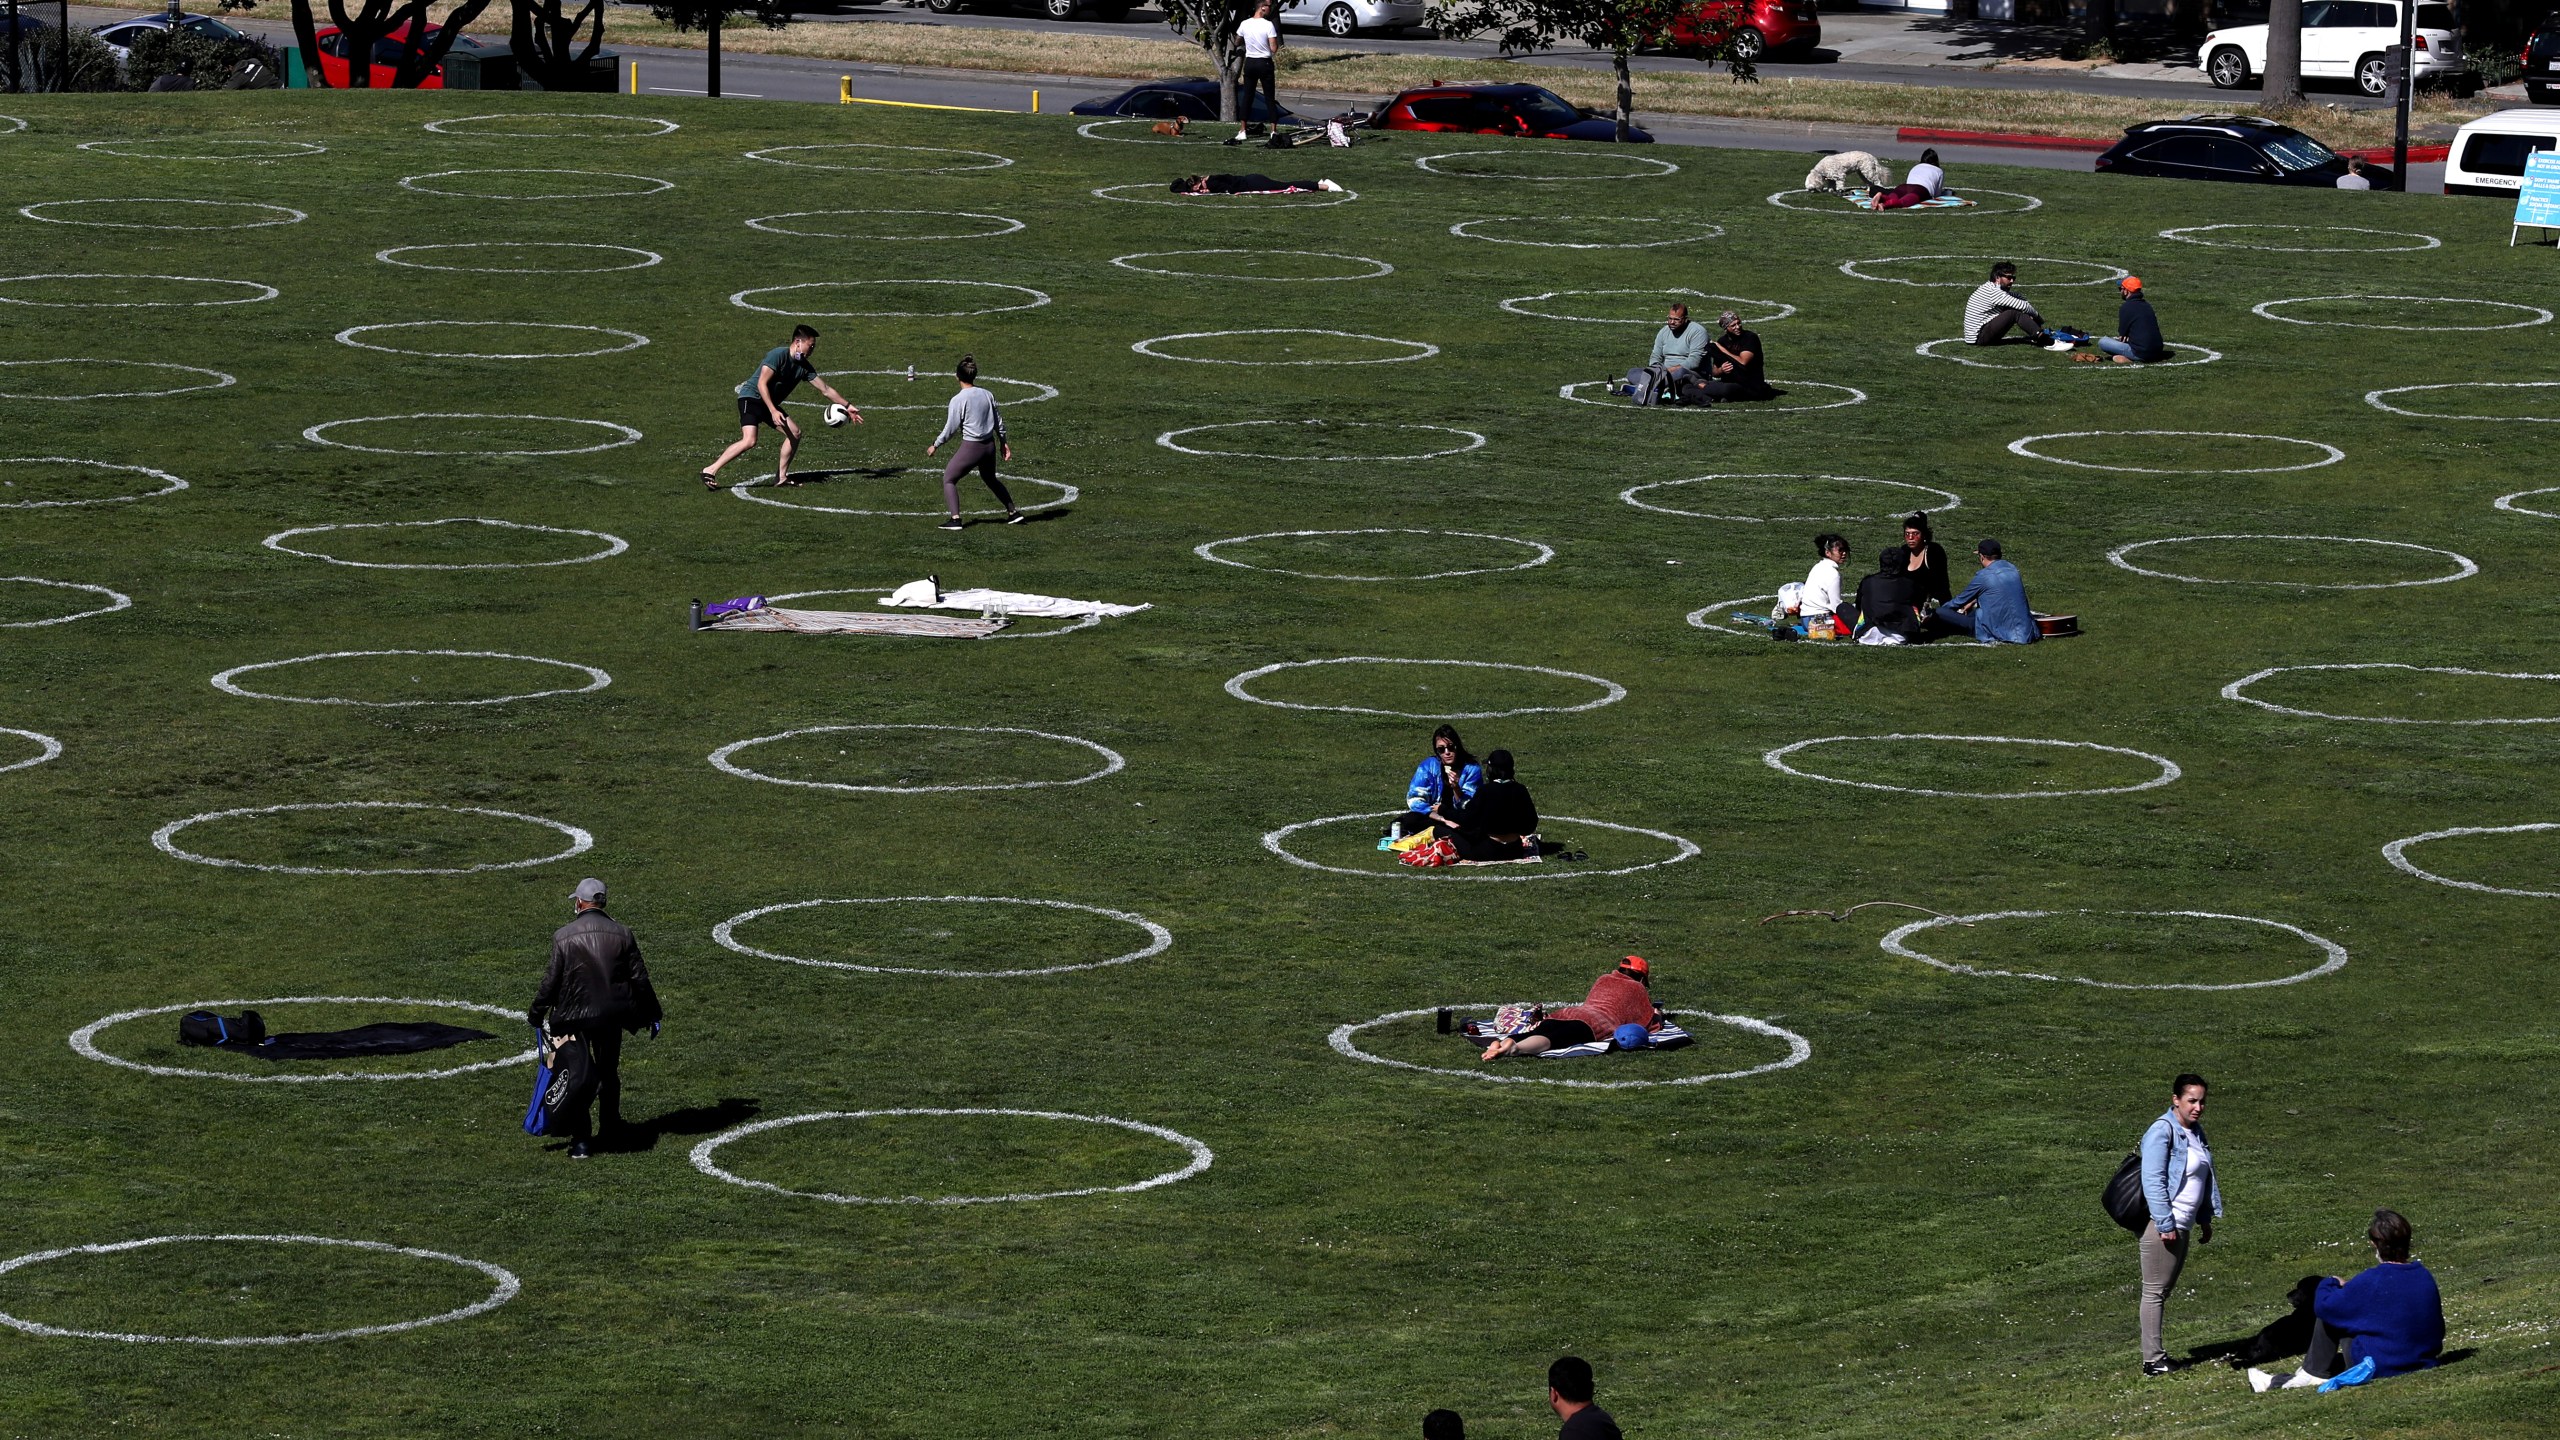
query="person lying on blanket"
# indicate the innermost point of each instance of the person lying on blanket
(1244, 185)
(1500, 821)
(1442, 785)
(1926, 181)
(1617, 998)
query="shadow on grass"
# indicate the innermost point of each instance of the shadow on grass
(642, 1136)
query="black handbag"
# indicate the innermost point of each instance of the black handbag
(2123, 1196)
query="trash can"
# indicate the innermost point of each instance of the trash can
(487, 67)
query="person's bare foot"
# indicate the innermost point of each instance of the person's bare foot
(2122, 360)
(1498, 1048)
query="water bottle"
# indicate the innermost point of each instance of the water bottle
(911, 372)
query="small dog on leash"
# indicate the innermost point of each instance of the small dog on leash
(1171, 127)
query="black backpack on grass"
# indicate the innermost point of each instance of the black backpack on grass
(203, 1027)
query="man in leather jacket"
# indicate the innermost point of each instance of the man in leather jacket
(596, 988)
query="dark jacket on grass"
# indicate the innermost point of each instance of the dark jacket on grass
(1886, 599)
(595, 978)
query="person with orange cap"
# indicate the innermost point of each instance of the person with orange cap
(2137, 338)
(1617, 999)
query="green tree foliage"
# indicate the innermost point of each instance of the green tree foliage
(42, 64)
(1619, 27)
(208, 62)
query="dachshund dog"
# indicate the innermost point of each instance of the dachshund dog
(1171, 127)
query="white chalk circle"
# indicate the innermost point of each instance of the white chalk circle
(1210, 550)
(773, 156)
(1345, 1043)
(2329, 454)
(2169, 771)
(1276, 842)
(1575, 393)
(198, 149)
(1159, 939)
(2508, 502)
(1088, 129)
(1611, 691)
(13, 126)
(1845, 208)
(2333, 954)
(1705, 618)
(646, 185)
(2464, 569)
(1415, 349)
(2397, 852)
(84, 1041)
(1171, 439)
(265, 292)
(453, 124)
(2194, 235)
(614, 544)
(2031, 358)
(768, 495)
(988, 383)
(1374, 268)
(2535, 314)
(741, 300)
(772, 224)
(115, 601)
(165, 840)
(169, 484)
(503, 1288)
(721, 759)
(1085, 622)
(623, 434)
(646, 258)
(1645, 167)
(2374, 399)
(630, 340)
(2108, 274)
(2238, 690)
(47, 748)
(1929, 497)
(1683, 232)
(272, 214)
(228, 682)
(1201, 1157)
(1288, 200)
(1766, 310)
(85, 366)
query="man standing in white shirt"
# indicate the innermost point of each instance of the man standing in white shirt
(1261, 46)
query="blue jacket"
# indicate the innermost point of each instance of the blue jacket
(1424, 792)
(2164, 1171)
(2003, 617)
(2391, 1314)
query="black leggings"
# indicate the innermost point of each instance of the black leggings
(1260, 75)
(1473, 846)
(1564, 1034)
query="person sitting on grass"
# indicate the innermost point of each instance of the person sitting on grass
(1995, 308)
(1888, 602)
(1925, 181)
(1735, 363)
(1679, 351)
(1442, 784)
(1245, 185)
(1992, 607)
(2387, 1321)
(1926, 559)
(1620, 997)
(1818, 599)
(1500, 821)
(1830, 174)
(2137, 339)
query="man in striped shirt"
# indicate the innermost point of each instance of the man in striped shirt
(1993, 309)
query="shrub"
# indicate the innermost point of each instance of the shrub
(40, 62)
(208, 61)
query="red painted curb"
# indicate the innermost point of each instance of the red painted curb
(2418, 154)
(1995, 137)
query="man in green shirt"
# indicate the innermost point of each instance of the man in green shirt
(760, 398)
(1677, 349)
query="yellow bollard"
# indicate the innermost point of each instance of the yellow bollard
(844, 91)
(1035, 102)
(635, 77)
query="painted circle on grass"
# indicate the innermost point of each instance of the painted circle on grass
(2374, 399)
(1276, 842)
(1937, 499)
(13, 126)
(2108, 274)
(2508, 502)
(2329, 454)
(1640, 167)
(1159, 939)
(85, 366)
(116, 600)
(1845, 208)
(623, 434)
(1089, 127)
(2032, 358)
(2464, 568)
(985, 382)
(503, 1288)
(1201, 1157)
(1856, 396)
(228, 682)
(2238, 690)
(646, 258)
(1472, 440)
(614, 544)
(265, 292)
(1004, 225)
(84, 1041)
(881, 157)
(2195, 235)
(47, 748)
(768, 495)
(2333, 954)
(272, 214)
(189, 148)
(169, 484)
(1520, 305)
(2397, 852)
(1345, 1042)
(1290, 200)
(1375, 268)
(961, 289)
(1084, 622)
(452, 126)
(723, 761)
(630, 339)
(2535, 314)
(1703, 618)
(165, 838)
(1414, 349)
(1209, 551)
(633, 185)
(1688, 232)
(2169, 771)
(1611, 691)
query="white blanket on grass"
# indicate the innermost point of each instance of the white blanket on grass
(921, 595)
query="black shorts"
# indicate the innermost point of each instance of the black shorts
(753, 411)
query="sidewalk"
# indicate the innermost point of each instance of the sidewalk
(1901, 37)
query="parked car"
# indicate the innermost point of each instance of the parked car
(386, 57)
(1758, 26)
(2239, 148)
(119, 35)
(21, 26)
(2542, 62)
(1496, 110)
(2488, 155)
(1192, 99)
(2341, 40)
(1111, 10)
(1343, 19)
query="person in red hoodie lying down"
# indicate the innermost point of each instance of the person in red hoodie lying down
(1620, 997)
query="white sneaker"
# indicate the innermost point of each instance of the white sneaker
(1327, 185)
(2260, 1382)
(2301, 1380)
(2059, 345)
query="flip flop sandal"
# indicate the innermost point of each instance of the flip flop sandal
(710, 481)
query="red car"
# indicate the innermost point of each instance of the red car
(386, 57)
(1758, 26)
(1526, 110)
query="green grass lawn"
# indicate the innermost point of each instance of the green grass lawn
(1898, 1236)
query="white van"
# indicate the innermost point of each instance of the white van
(2341, 40)
(2489, 153)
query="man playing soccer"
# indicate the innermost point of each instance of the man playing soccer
(760, 398)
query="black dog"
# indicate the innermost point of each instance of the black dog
(2282, 1338)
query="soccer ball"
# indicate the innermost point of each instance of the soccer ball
(835, 415)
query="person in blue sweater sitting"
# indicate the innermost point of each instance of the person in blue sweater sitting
(1442, 784)
(1993, 606)
(1679, 349)
(2387, 1321)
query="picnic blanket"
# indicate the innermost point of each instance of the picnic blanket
(1669, 1037)
(925, 594)
(1866, 200)
(859, 622)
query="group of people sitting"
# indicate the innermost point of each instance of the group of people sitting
(1908, 598)
(1845, 172)
(1995, 310)
(1458, 810)
(1690, 367)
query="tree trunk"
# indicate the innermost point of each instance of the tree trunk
(713, 84)
(2282, 85)
(1626, 96)
(1221, 55)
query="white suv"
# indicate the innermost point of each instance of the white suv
(2341, 40)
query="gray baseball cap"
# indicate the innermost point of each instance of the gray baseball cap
(591, 890)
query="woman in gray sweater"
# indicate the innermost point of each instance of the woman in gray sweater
(980, 425)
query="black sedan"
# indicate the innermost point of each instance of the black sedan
(2231, 148)
(1195, 100)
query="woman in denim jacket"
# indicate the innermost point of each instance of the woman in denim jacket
(2184, 1196)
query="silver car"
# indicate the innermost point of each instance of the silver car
(1343, 19)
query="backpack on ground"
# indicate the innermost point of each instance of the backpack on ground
(563, 1082)
(203, 1027)
(2123, 1196)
